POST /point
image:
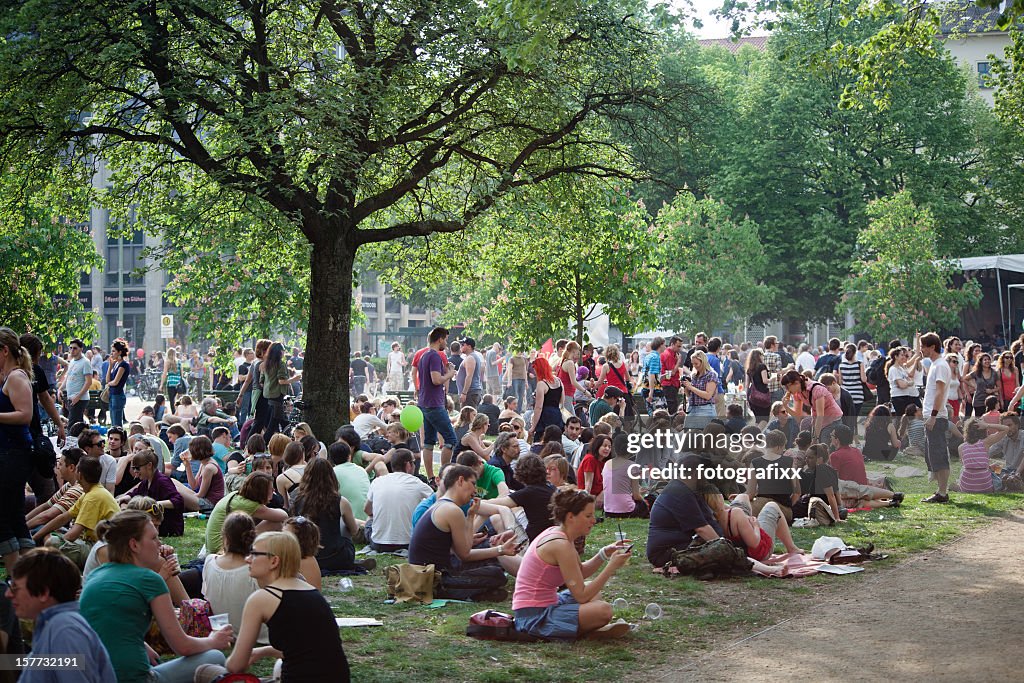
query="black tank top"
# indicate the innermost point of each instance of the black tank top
(304, 630)
(430, 545)
(553, 397)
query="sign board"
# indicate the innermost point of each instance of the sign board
(166, 326)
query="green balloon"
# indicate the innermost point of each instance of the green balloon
(412, 418)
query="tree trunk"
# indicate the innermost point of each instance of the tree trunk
(325, 379)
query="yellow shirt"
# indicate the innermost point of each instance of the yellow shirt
(94, 506)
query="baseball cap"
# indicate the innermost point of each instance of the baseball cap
(468, 340)
(613, 392)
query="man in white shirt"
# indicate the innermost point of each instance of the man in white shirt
(571, 443)
(390, 503)
(936, 415)
(805, 361)
(78, 378)
(365, 422)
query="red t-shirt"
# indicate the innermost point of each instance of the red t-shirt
(416, 364)
(668, 363)
(848, 462)
(590, 464)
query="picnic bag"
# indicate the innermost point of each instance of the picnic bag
(718, 557)
(408, 582)
(194, 617)
(1012, 483)
(493, 625)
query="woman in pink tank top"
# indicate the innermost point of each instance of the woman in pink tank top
(825, 409)
(551, 561)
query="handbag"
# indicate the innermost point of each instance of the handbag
(105, 395)
(194, 617)
(758, 398)
(44, 457)
(412, 582)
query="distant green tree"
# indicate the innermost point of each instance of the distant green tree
(897, 286)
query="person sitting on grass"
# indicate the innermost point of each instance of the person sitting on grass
(122, 597)
(158, 486)
(380, 463)
(976, 477)
(226, 581)
(590, 472)
(295, 465)
(622, 497)
(95, 505)
(490, 479)
(308, 535)
(779, 484)
(444, 538)
(319, 500)
(757, 534)
(66, 496)
(799, 449)
(208, 485)
(848, 462)
(390, 502)
(353, 481)
(818, 479)
(557, 469)
(551, 561)
(43, 587)
(533, 499)
(221, 438)
(499, 517)
(881, 440)
(301, 626)
(252, 499)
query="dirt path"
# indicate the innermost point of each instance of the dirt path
(947, 615)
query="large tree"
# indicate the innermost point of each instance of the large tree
(348, 122)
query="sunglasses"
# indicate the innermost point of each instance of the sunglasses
(98, 444)
(260, 553)
(134, 468)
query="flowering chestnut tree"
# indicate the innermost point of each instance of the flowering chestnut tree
(897, 286)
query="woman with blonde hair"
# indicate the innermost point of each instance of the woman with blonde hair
(17, 406)
(303, 633)
(702, 387)
(172, 382)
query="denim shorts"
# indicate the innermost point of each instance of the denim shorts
(555, 622)
(437, 423)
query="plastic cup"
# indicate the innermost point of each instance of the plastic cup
(218, 621)
(621, 536)
(345, 584)
(653, 611)
(619, 603)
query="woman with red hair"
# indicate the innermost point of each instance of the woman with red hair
(547, 399)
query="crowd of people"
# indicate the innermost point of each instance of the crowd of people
(518, 456)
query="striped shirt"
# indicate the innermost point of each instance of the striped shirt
(849, 371)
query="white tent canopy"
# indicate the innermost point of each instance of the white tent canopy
(1012, 262)
(1009, 262)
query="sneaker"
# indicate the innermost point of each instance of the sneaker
(616, 629)
(369, 563)
(936, 498)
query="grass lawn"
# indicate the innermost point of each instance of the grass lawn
(430, 644)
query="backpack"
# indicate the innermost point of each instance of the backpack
(707, 560)
(876, 371)
(194, 617)
(493, 625)
(831, 364)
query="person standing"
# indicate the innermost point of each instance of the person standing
(16, 410)
(670, 373)
(804, 360)
(470, 377)
(936, 414)
(495, 358)
(396, 368)
(773, 362)
(518, 378)
(116, 378)
(359, 375)
(78, 378)
(197, 371)
(435, 372)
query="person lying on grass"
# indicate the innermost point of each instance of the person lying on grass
(757, 534)
(551, 561)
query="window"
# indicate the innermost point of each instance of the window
(392, 305)
(983, 75)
